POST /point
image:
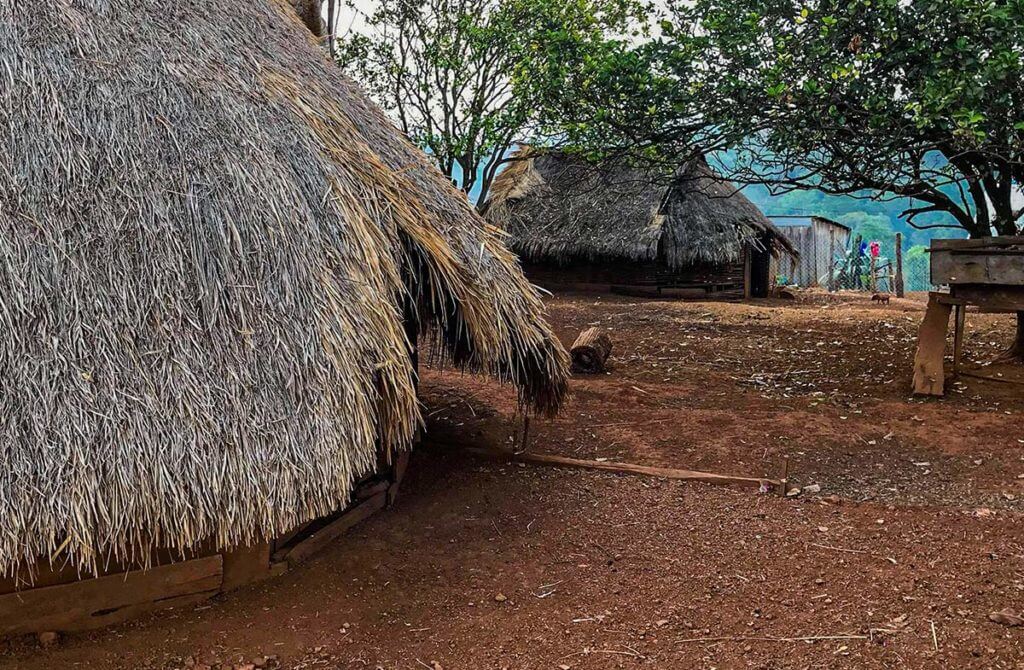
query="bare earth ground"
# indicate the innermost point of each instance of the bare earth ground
(915, 537)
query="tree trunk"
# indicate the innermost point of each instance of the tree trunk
(590, 351)
(310, 13)
(1016, 351)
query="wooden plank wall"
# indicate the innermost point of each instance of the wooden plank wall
(641, 278)
(93, 603)
(824, 232)
(59, 598)
(802, 239)
(814, 246)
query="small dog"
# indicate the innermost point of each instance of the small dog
(882, 298)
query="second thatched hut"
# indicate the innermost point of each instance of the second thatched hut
(624, 229)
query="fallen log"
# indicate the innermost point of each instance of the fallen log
(590, 351)
(761, 483)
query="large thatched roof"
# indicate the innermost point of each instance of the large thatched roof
(207, 234)
(556, 207)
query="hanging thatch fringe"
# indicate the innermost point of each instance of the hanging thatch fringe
(207, 237)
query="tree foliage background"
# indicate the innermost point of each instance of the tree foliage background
(920, 102)
(467, 79)
(858, 110)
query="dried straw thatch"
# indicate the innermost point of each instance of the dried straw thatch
(208, 238)
(557, 208)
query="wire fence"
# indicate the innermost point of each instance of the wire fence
(845, 263)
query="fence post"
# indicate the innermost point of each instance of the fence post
(899, 265)
(831, 259)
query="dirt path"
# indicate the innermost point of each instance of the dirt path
(914, 540)
(738, 388)
(627, 568)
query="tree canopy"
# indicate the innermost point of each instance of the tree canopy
(867, 98)
(466, 79)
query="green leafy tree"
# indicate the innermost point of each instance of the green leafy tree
(872, 228)
(919, 100)
(467, 79)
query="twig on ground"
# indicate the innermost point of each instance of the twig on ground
(848, 551)
(740, 638)
(587, 651)
(852, 551)
(629, 423)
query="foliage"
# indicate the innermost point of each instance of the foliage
(465, 79)
(872, 228)
(919, 100)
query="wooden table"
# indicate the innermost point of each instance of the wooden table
(987, 273)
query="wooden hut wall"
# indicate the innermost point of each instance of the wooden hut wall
(829, 238)
(641, 278)
(815, 245)
(54, 596)
(802, 239)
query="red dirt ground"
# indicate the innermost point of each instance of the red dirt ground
(914, 539)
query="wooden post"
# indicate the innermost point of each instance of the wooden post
(931, 349)
(831, 259)
(959, 316)
(899, 288)
(746, 272)
(524, 445)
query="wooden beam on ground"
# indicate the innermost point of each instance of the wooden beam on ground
(989, 378)
(626, 468)
(98, 602)
(246, 565)
(370, 490)
(332, 531)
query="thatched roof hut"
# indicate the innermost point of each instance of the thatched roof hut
(209, 239)
(558, 209)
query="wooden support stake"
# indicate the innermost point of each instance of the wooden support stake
(524, 445)
(397, 474)
(958, 337)
(625, 468)
(899, 289)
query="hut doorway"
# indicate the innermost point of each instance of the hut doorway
(760, 267)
